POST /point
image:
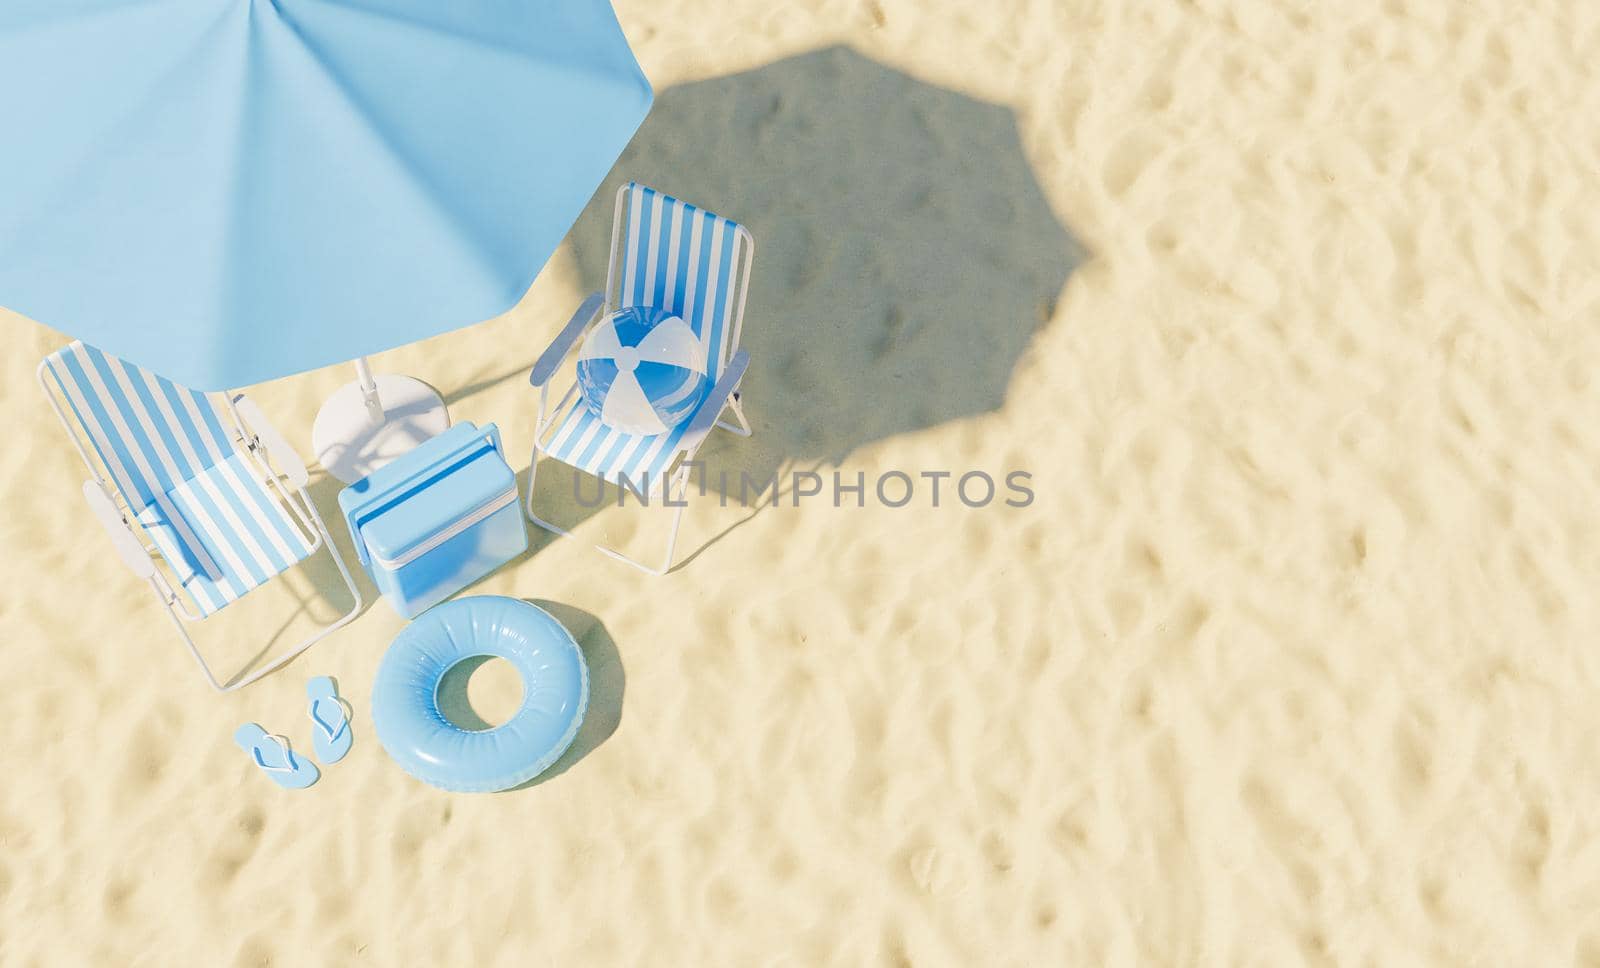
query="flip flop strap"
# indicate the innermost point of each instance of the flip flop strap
(344, 723)
(288, 755)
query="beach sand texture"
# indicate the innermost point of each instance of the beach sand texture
(1291, 311)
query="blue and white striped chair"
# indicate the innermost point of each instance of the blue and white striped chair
(695, 263)
(204, 489)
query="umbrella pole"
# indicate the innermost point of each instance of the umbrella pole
(369, 390)
(373, 420)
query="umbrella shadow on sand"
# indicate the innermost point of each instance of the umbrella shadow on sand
(905, 253)
(905, 257)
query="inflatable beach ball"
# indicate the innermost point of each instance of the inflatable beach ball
(642, 370)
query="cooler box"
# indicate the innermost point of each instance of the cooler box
(438, 519)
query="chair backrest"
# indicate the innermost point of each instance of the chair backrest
(676, 256)
(151, 434)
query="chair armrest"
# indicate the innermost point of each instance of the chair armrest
(123, 539)
(282, 456)
(550, 360)
(706, 417)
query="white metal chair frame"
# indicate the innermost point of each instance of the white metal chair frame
(724, 395)
(263, 447)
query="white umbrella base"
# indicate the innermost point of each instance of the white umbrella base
(350, 445)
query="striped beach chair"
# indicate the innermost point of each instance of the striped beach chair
(669, 254)
(201, 477)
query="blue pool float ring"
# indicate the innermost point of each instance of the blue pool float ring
(555, 694)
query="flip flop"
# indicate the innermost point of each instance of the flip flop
(330, 720)
(271, 752)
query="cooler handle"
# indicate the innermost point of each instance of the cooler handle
(489, 433)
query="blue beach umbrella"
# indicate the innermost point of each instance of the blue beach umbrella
(231, 191)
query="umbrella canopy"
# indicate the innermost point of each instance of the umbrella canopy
(230, 191)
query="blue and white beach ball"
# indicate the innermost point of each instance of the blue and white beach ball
(642, 370)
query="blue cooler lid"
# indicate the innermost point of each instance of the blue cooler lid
(404, 503)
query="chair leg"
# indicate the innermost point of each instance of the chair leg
(737, 406)
(168, 605)
(672, 536)
(533, 475)
(681, 477)
(303, 645)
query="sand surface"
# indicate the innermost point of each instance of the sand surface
(1291, 311)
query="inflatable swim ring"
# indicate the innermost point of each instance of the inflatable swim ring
(555, 694)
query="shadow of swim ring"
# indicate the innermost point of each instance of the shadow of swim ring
(426, 744)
